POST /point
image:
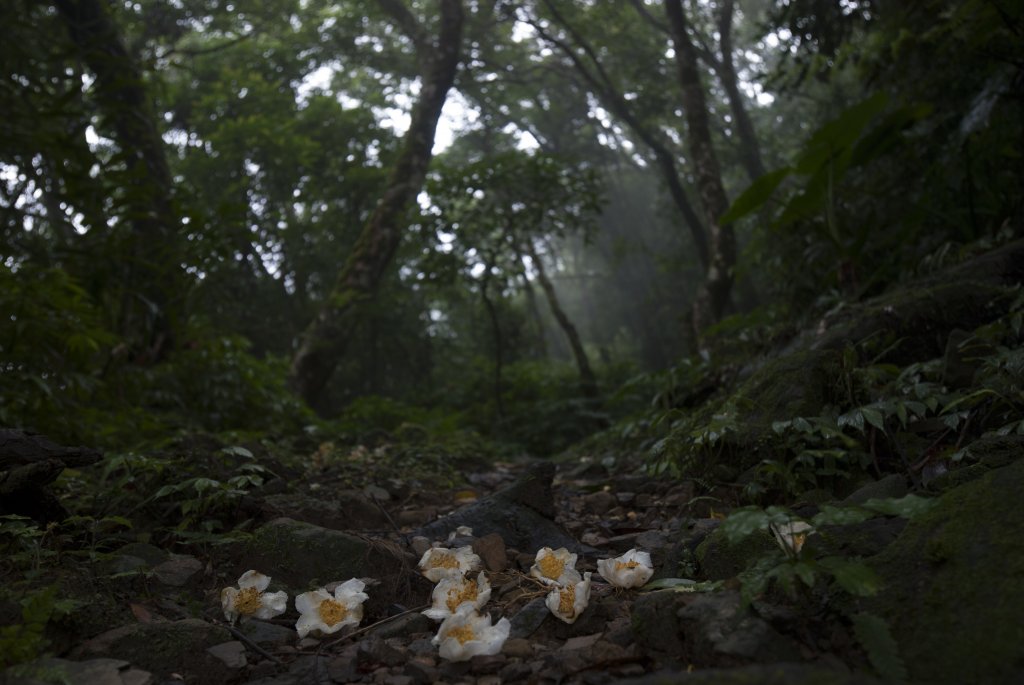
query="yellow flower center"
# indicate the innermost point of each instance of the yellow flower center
(463, 634)
(456, 596)
(248, 601)
(619, 565)
(551, 566)
(332, 612)
(566, 602)
(443, 560)
(798, 541)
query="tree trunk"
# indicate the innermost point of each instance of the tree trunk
(327, 336)
(153, 282)
(588, 382)
(750, 148)
(714, 292)
(611, 98)
(492, 314)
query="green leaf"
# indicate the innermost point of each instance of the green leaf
(874, 417)
(839, 133)
(744, 522)
(840, 516)
(238, 451)
(875, 637)
(853, 576)
(756, 195)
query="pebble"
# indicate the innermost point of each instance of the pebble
(518, 647)
(599, 502)
(491, 550)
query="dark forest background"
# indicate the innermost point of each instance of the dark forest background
(226, 216)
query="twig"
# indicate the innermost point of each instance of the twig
(249, 643)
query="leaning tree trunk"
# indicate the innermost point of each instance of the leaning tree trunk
(588, 382)
(327, 336)
(750, 147)
(153, 281)
(714, 292)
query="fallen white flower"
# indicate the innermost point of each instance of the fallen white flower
(461, 531)
(441, 562)
(791, 536)
(466, 634)
(454, 591)
(568, 601)
(328, 614)
(632, 569)
(554, 566)
(251, 600)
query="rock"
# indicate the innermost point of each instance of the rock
(90, 672)
(178, 570)
(515, 672)
(491, 550)
(528, 619)
(522, 514)
(655, 624)
(421, 673)
(419, 545)
(376, 492)
(377, 651)
(951, 589)
(720, 559)
(264, 633)
(231, 654)
(863, 539)
(581, 642)
(344, 668)
(403, 626)
(893, 485)
(761, 674)
(345, 510)
(165, 648)
(599, 502)
(719, 632)
(303, 556)
(517, 647)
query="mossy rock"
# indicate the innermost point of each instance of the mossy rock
(720, 559)
(953, 585)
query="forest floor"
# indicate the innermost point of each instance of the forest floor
(149, 614)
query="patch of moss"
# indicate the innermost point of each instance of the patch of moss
(720, 559)
(953, 588)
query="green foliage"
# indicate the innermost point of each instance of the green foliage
(24, 641)
(875, 637)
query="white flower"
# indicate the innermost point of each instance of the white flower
(632, 569)
(554, 566)
(461, 531)
(568, 601)
(791, 536)
(454, 591)
(251, 600)
(320, 611)
(441, 562)
(466, 633)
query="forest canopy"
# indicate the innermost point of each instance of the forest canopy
(511, 218)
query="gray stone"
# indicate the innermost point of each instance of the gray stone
(303, 555)
(893, 485)
(518, 647)
(165, 648)
(178, 570)
(580, 642)
(720, 631)
(599, 502)
(761, 674)
(420, 545)
(528, 619)
(523, 514)
(377, 651)
(232, 654)
(421, 673)
(403, 626)
(345, 510)
(264, 633)
(90, 672)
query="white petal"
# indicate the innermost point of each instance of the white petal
(310, 601)
(562, 555)
(272, 604)
(227, 603)
(487, 639)
(352, 586)
(254, 579)
(617, 572)
(309, 622)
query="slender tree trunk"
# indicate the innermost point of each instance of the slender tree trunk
(153, 281)
(327, 336)
(588, 382)
(714, 292)
(613, 99)
(750, 148)
(538, 320)
(499, 350)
